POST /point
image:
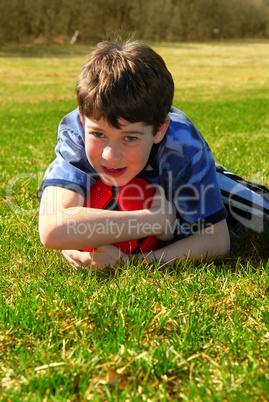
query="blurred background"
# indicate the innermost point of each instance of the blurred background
(44, 22)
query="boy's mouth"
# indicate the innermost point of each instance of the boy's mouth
(115, 172)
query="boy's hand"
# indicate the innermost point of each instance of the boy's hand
(101, 257)
(165, 213)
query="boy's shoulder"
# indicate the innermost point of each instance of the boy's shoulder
(182, 135)
(177, 115)
(182, 148)
(71, 116)
(71, 121)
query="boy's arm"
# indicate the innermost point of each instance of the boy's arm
(213, 242)
(65, 224)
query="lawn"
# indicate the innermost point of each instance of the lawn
(193, 332)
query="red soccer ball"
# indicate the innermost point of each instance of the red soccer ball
(135, 195)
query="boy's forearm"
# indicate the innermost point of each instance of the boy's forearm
(201, 246)
(78, 228)
(64, 223)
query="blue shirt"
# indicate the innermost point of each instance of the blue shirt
(182, 163)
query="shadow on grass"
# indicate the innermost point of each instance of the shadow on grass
(249, 250)
(250, 247)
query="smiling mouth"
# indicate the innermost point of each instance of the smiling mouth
(115, 172)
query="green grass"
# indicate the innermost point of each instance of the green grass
(182, 332)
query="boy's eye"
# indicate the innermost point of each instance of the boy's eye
(130, 138)
(98, 135)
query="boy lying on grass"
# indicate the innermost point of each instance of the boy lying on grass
(124, 127)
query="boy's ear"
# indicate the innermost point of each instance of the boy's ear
(162, 131)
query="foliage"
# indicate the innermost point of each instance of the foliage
(47, 21)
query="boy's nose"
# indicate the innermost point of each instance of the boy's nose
(111, 153)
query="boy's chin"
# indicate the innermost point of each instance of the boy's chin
(110, 181)
(115, 182)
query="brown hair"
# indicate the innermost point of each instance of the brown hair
(127, 80)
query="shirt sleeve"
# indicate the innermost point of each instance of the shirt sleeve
(196, 194)
(70, 169)
(187, 171)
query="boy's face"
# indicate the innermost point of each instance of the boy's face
(118, 155)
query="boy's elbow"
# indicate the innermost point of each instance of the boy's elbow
(46, 238)
(225, 248)
(49, 234)
(223, 239)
